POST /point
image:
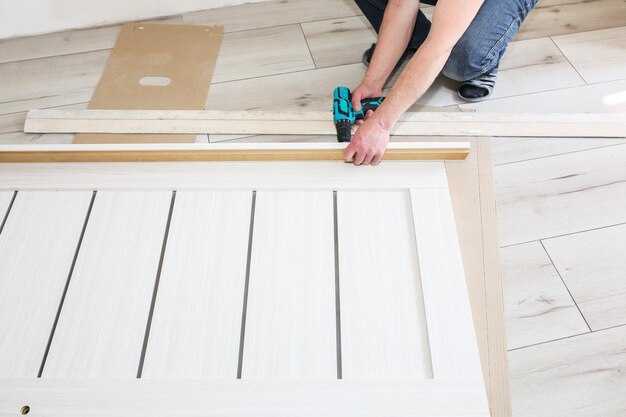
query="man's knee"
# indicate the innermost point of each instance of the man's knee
(467, 62)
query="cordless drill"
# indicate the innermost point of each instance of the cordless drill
(344, 115)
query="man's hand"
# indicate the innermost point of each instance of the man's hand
(366, 89)
(368, 144)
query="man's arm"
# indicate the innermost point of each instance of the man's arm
(450, 20)
(393, 39)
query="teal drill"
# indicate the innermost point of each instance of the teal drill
(344, 115)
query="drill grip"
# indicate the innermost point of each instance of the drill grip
(368, 104)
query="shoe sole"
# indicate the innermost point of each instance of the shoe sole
(473, 100)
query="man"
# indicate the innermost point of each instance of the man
(465, 42)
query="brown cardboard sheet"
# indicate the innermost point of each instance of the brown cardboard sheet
(157, 67)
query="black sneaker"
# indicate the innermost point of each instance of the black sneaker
(479, 88)
(367, 55)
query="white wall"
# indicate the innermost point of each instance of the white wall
(31, 17)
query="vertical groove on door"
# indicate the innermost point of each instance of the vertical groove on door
(101, 327)
(67, 284)
(195, 328)
(337, 287)
(156, 287)
(6, 202)
(244, 309)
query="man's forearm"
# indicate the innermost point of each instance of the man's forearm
(393, 39)
(417, 76)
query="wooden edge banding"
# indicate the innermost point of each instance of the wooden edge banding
(500, 392)
(203, 155)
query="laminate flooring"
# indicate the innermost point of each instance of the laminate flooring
(561, 202)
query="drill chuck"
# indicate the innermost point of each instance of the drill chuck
(344, 130)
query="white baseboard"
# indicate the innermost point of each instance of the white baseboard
(34, 17)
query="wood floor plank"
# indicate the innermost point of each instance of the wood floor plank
(56, 79)
(78, 97)
(272, 13)
(598, 56)
(582, 376)
(12, 129)
(66, 42)
(597, 98)
(559, 17)
(290, 326)
(305, 90)
(569, 193)
(268, 51)
(37, 247)
(537, 305)
(197, 316)
(593, 267)
(508, 150)
(338, 41)
(103, 320)
(58, 43)
(379, 267)
(534, 65)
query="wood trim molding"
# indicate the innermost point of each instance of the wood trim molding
(320, 123)
(222, 152)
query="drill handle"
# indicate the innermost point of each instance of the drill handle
(368, 104)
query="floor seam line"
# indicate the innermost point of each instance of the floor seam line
(566, 153)
(565, 284)
(563, 235)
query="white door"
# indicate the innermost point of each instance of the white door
(234, 289)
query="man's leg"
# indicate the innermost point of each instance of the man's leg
(374, 10)
(475, 58)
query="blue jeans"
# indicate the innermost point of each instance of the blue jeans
(482, 45)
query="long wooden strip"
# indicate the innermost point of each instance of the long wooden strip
(290, 322)
(162, 398)
(320, 123)
(37, 247)
(499, 395)
(383, 327)
(326, 116)
(197, 316)
(204, 176)
(102, 324)
(448, 312)
(221, 152)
